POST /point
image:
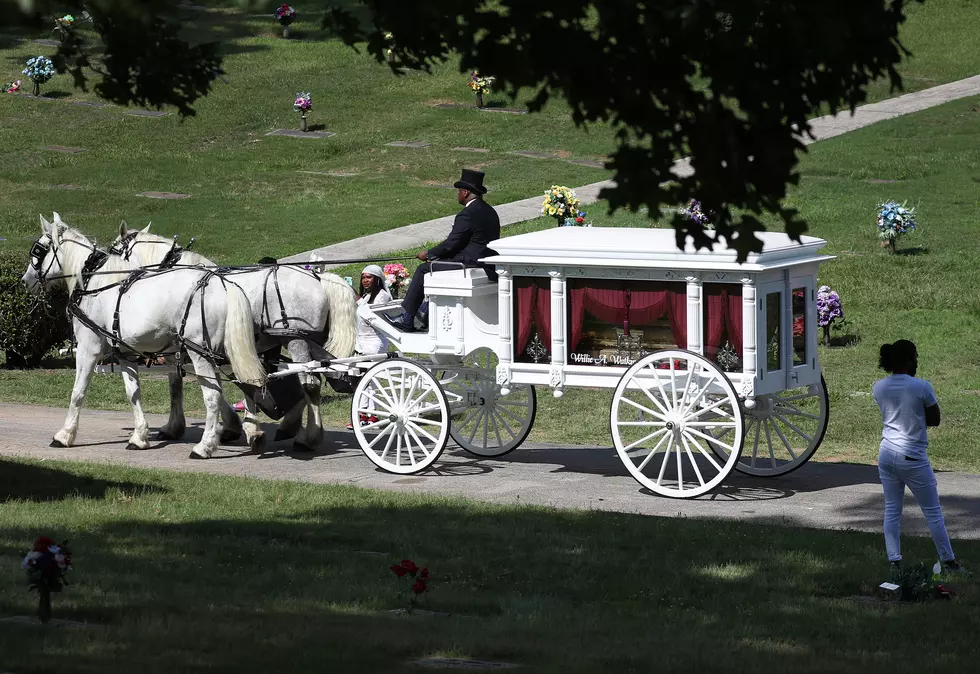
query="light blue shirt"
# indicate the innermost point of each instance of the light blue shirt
(903, 401)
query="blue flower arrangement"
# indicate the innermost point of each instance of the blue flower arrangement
(40, 69)
(894, 220)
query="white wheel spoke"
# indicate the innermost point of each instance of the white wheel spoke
(424, 420)
(710, 424)
(376, 424)
(680, 462)
(663, 464)
(644, 439)
(496, 428)
(755, 443)
(424, 432)
(710, 408)
(707, 455)
(690, 456)
(687, 408)
(510, 431)
(486, 427)
(663, 394)
(694, 431)
(786, 442)
(380, 435)
(798, 431)
(391, 439)
(425, 410)
(645, 410)
(513, 417)
(476, 426)
(377, 386)
(512, 403)
(652, 452)
(641, 423)
(772, 455)
(790, 409)
(420, 398)
(418, 441)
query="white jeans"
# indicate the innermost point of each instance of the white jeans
(896, 472)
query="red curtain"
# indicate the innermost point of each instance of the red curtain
(576, 316)
(733, 317)
(678, 314)
(716, 301)
(533, 310)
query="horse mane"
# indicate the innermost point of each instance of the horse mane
(73, 257)
(154, 253)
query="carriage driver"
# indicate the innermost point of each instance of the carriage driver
(474, 227)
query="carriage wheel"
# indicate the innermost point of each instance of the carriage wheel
(784, 430)
(663, 413)
(484, 422)
(412, 412)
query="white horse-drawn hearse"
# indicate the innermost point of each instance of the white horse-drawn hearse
(713, 363)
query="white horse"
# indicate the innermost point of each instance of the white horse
(156, 313)
(283, 297)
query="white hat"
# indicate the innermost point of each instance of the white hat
(375, 270)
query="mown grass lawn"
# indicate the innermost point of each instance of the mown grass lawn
(250, 195)
(181, 572)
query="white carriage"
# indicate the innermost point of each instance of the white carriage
(713, 363)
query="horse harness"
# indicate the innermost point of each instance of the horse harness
(126, 245)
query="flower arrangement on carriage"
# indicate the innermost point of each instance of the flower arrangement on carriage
(894, 220)
(561, 203)
(285, 15)
(480, 85)
(395, 277)
(46, 565)
(303, 104)
(39, 69)
(694, 212)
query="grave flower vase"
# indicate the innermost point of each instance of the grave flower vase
(891, 246)
(285, 31)
(302, 123)
(826, 335)
(394, 292)
(479, 99)
(44, 604)
(37, 88)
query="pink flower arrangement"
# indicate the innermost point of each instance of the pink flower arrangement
(395, 275)
(12, 87)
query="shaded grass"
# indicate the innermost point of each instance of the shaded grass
(186, 572)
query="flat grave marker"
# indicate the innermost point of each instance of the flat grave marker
(332, 174)
(535, 155)
(296, 133)
(47, 43)
(67, 150)
(587, 162)
(408, 143)
(509, 111)
(34, 622)
(460, 663)
(88, 104)
(68, 187)
(470, 149)
(164, 195)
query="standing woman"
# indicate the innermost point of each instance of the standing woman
(369, 341)
(908, 405)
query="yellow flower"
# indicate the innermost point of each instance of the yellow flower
(552, 210)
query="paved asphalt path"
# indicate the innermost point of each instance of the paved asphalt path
(824, 495)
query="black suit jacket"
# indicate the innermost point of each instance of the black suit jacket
(474, 227)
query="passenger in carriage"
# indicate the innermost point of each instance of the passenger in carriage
(369, 341)
(473, 229)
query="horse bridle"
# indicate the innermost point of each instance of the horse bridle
(126, 245)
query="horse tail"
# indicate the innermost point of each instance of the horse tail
(342, 303)
(239, 339)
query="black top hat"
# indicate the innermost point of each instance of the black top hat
(471, 180)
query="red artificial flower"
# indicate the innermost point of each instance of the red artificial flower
(399, 571)
(43, 543)
(409, 566)
(424, 573)
(580, 220)
(419, 587)
(798, 325)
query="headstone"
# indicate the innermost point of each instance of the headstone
(47, 43)
(408, 143)
(164, 195)
(333, 174)
(470, 149)
(62, 148)
(881, 181)
(147, 113)
(68, 187)
(88, 104)
(296, 133)
(460, 663)
(587, 162)
(447, 106)
(34, 622)
(535, 155)
(445, 187)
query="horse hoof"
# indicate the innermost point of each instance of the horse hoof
(284, 435)
(257, 443)
(230, 435)
(195, 455)
(132, 447)
(58, 443)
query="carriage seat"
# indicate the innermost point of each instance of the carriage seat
(468, 282)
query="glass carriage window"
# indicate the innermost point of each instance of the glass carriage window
(615, 323)
(799, 326)
(532, 320)
(722, 320)
(774, 356)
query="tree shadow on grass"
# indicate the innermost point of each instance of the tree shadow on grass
(30, 482)
(916, 250)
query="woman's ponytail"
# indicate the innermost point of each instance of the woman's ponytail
(886, 357)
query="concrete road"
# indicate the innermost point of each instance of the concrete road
(825, 495)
